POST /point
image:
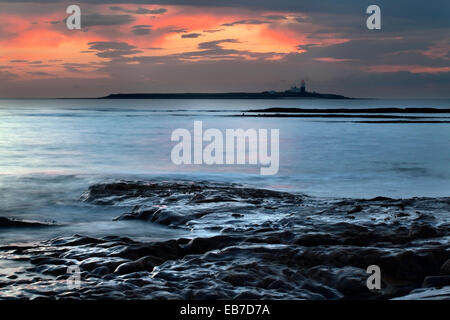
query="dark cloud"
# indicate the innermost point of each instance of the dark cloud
(175, 30)
(411, 32)
(6, 75)
(275, 17)
(141, 30)
(247, 21)
(96, 19)
(140, 10)
(435, 13)
(212, 30)
(81, 67)
(215, 44)
(191, 35)
(111, 49)
(40, 73)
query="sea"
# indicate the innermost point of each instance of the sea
(52, 150)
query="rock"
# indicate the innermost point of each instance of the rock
(129, 267)
(427, 294)
(436, 281)
(356, 209)
(279, 248)
(422, 230)
(101, 271)
(167, 250)
(138, 213)
(52, 270)
(445, 268)
(201, 245)
(15, 223)
(142, 264)
(111, 263)
(402, 214)
(75, 240)
(239, 279)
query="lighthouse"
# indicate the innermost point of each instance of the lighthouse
(303, 87)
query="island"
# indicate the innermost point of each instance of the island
(293, 93)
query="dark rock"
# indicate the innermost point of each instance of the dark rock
(356, 209)
(111, 263)
(436, 281)
(101, 271)
(15, 223)
(421, 230)
(445, 268)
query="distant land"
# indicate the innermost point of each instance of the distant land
(229, 95)
(294, 92)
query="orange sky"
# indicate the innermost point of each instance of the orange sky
(130, 40)
(32, 37)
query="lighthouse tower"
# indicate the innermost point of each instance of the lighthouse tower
(303, 86)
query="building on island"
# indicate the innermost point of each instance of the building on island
(296, 89)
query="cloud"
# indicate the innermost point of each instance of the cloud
(6, 75)
(40, 73)
(141, 30)
(140, 10)
(215, 44)
(191, 35)
(329, 59)
(111, 49)
(176, 30)
(34, 62)
(96, 19)
(275, 17)
(336, 52)
(213, 30)
(247, 21)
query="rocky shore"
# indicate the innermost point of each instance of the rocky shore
(246, 243)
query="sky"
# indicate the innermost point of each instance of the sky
(224, 46)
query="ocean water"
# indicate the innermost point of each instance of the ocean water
(52, 150)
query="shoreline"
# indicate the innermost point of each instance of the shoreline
(261, 244)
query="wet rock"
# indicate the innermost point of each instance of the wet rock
(76, 240)
(427, 294)
(11, 222)
(144, 263)
(283, 246)
(111, 263)
(421, 230)
(436, 281)
(101, 271)
(202, 245)
(52, 270)
(356, 209)
(164, 250)
(445, 268)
